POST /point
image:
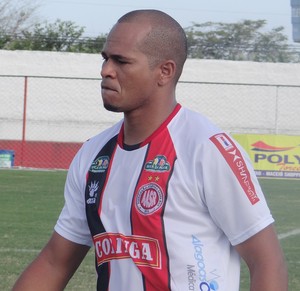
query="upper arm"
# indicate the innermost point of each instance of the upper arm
(264, 258)
(53, 267)
(64, 254)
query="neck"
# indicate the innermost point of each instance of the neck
(140, 125)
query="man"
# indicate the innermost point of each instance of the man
(169, 201)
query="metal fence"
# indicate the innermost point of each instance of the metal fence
(44, 120)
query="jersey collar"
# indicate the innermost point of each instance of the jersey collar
(156, 132)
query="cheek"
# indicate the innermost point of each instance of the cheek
(132, 83)
(138, 80)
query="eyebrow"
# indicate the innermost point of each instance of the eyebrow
(114, 56)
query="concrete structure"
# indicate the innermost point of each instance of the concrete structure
(59, 64)
(64, 103)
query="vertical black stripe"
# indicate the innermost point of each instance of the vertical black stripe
(97, 175)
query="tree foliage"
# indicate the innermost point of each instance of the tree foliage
(244, 40)
(57, 36)
(19, 30)
(63, 36)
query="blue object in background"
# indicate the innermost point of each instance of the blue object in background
(296, 19)
(7, 158)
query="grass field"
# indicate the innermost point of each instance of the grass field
(30, 202)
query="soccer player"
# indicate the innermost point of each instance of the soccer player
(168, 200)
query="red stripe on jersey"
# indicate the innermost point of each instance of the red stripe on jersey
(237, 164)
(148, 206)
(155, 133)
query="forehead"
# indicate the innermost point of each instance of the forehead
(126, 37)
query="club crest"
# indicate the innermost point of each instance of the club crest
(149, 199)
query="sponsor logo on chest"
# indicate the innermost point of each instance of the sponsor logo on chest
(100, 164)
(144, 251)
(158, 164)
(93, 188)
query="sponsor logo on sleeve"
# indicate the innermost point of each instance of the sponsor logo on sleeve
(237, 164)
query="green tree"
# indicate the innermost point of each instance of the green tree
(58, 36)
(91, 45)
(244, 40)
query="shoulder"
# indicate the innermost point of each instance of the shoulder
(91, 148)
(192, 129)
(98, 141)
(198, 139)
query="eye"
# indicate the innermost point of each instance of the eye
(104, 57)
(122, 62)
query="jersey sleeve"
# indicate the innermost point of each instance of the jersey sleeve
(72, 223)
(232, 192)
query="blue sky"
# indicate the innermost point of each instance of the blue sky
(99, 16)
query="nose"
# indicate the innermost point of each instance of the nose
(107, 69)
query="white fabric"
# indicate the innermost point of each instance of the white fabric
(207, 211)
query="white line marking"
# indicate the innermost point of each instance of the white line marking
(8, 250)
(289, 233)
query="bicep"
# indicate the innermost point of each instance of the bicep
(265, 260)
(260, 247)
(64, 254)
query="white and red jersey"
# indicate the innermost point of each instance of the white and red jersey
(166, 215)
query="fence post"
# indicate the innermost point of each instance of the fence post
(276, 110)
(24, 121)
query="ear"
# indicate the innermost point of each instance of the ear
(167, 72)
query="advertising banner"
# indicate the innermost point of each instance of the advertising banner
(6, 158)
(276, 156)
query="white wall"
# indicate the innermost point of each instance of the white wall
(71, 110)
(60, 64)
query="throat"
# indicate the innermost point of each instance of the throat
(132, 147)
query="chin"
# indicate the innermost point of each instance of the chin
(112, 108)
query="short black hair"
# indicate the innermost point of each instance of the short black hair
(166, 40)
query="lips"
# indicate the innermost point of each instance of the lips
(105, 86)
